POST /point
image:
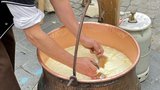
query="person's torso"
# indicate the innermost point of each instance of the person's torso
(6, 18)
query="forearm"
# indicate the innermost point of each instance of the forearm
(41, 40)
(65, 13)
(26, 18)
(66, 16)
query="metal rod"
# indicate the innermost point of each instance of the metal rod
(6, 31)
(77, 41)
(78, 38)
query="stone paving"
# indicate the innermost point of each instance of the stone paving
(28, 69)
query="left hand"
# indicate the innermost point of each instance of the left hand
(94, 46)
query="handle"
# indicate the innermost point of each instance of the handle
(132, 19)
(73, 78)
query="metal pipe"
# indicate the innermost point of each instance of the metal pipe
(73, 78)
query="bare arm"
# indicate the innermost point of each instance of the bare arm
(65, 13)
(43, 42)
(27, 18)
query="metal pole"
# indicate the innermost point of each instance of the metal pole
(73, 78)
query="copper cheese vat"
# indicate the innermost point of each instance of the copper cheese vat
(105, 34)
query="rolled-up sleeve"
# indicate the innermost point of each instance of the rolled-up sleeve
(25, 17)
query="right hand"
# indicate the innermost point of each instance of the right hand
(86, 67)
(92, 45)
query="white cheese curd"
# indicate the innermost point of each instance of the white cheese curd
(116, 63)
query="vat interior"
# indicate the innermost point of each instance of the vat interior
(105, 34)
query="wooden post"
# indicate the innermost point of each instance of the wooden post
(41, 4)
(109, 11)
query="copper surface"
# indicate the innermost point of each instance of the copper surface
(103, 33)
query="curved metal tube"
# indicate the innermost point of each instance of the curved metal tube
(73, 78)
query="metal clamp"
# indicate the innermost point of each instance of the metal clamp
(72, 79)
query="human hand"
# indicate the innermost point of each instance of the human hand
(86, 67)
(94, 46)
